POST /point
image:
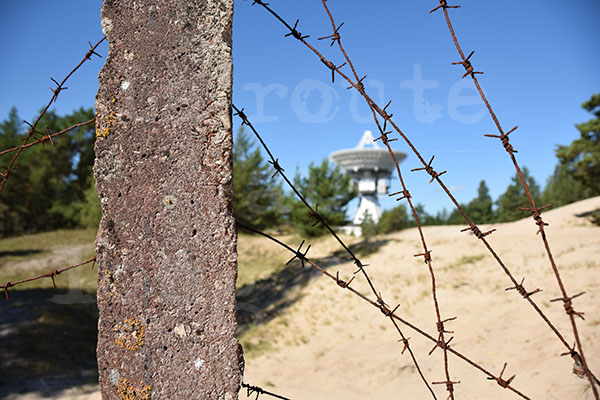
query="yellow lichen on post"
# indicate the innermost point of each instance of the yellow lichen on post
(110, 119)
(130, 334)
(127, 391)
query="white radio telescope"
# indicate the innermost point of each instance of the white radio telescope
(370, 168)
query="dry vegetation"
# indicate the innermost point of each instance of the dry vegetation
(307, 339)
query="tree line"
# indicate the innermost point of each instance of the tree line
(259, 199)
(54, 188)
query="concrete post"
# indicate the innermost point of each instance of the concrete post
(167, 241)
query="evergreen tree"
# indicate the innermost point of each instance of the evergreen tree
(393, 220)
(44, 192)
(515, 197)
(329, 188)
(12, 209)
(257, 196)
(582, 157)
(368, 228)
(89, 208)
(479, 209)
(562, 188)
(455, 217)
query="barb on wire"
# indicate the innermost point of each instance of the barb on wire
(335, 36)
(505, 141)
(300, 255)
(477, 232)
(392, 315)
(443, 4)
(502, 382)
(359, 86)
(57, 90)
(251, 389)
(405, 195)
(537, 216)
(47, 137)
(533, 209)
(449, 387)
(314, 211)
(488, 246)
(60, 86)
(52, 275)
(568, 304)
(429, 169)
(295, 33)
(376, 108)
(466, 63)
(521, 289)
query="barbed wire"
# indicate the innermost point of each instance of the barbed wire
(578, 357)
(49, 137)
(426, 254)
(45, 136)
(382, 119)
(52, 275)
(427, 166)
(389, 313)
(250, 390)
(301, 254)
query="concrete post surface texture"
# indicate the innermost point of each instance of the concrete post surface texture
(166, 245)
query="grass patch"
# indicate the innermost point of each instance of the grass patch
(257, 261)
(32, 246)
(257, 340)
(42, 252)
(464, 261)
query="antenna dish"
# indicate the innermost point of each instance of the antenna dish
(370, 168)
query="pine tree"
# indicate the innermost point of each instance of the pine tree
(562, 188)
(582, 157)
(515, 197)
(393, 220)
(328, 188)
(45, 191)
(257, 195)
(479, 209)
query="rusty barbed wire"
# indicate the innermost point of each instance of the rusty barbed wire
(578, 357)
(251, 389)
(52, 275)
(383, 114)
(387, 119)
(314, 213)
(45, 136)
(389, 313)
(336, 38)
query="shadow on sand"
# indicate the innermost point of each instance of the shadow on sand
(265, 299)
(48, 336)
(47, 345)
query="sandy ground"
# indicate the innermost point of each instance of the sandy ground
(331, 345)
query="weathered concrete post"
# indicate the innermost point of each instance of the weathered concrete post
(167, 242)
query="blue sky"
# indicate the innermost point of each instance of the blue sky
(540, 60)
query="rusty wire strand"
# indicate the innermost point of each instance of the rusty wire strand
(52, 275)
(385, 310)
(314, 212)
(251, 389)
(60, 86)
(301, 256)
(535, 210)
(336, 38)
(385, 116)
(47, 137)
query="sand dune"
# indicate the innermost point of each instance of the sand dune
(331, 345)
(328, 344)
